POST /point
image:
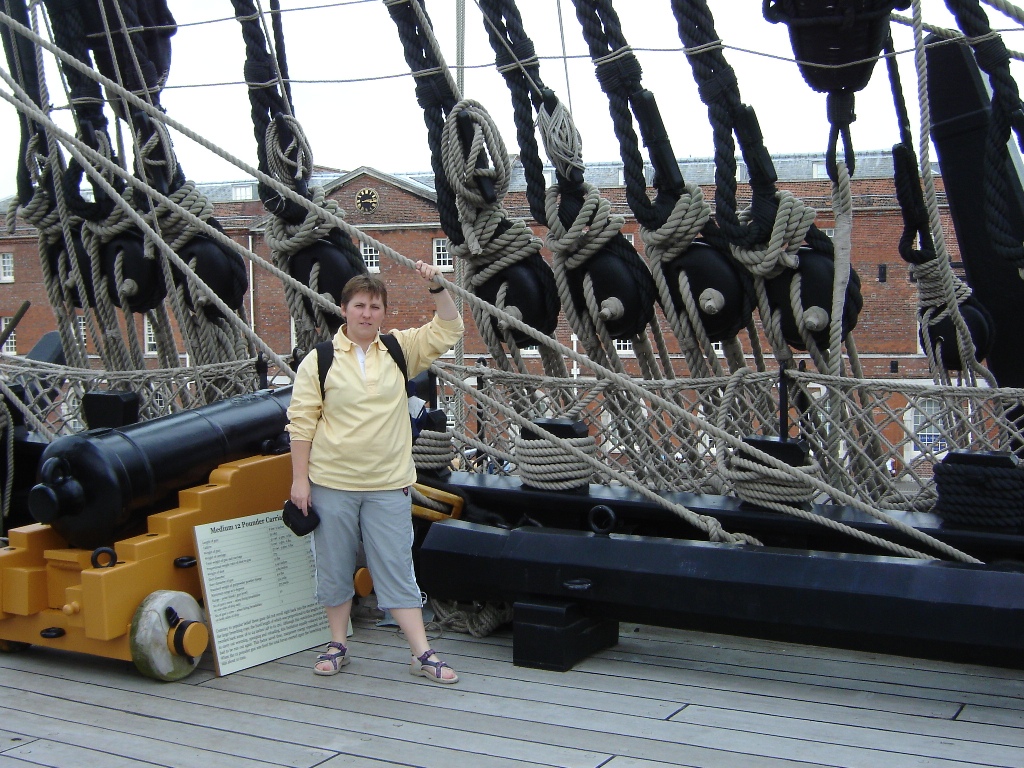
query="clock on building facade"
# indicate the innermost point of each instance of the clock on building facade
(367, 200)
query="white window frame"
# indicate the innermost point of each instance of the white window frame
(149, 338)
(11, 345)
(819, 170)
(81, 329)
(371, 257)
(927, 436)
(624, 347)
(6, 267)
(442, 256)
(240, 192)
(829, 232)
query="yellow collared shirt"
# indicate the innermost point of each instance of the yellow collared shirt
(360, 432)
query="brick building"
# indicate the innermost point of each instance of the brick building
(401, 212)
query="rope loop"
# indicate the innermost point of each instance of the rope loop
(291, 163)
(591, 230)
(562, 141)
(792, 220)
(689, 215)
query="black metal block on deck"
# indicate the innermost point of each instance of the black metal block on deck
(792, 452)
(110, 409)
(563, 428)
(555, 635)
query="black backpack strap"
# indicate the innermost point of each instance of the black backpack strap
(324, 358)
(395, 350)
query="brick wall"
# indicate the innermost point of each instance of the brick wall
(406, 219)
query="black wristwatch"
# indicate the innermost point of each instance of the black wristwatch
(439, 289)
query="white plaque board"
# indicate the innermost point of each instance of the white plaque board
(258, 586)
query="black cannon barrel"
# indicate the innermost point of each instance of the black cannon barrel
(92, 485)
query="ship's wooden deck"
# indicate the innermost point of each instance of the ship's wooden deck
(661, 697)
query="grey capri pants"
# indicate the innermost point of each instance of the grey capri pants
(384, 518)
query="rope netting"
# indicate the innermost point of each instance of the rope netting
(890, 435)
(48, 397)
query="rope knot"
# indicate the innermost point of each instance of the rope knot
(619, 72)
(522, 56)
(711, 301)
(991, 53)
(432, 91)
(718, 87)
(612, 308)
(792, 220)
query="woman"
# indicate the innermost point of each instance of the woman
(352, 462)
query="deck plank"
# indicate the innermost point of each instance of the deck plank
(637, 676)
(551, 688)
(146, 716)
(59, 755)
(384, 736)
(660, 698)
(622, 734)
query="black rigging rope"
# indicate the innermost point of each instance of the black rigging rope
(916, 227)
(268, 104)
(131, 44)
(619, 74)
(435, 96)
(70, 33)
(719, 90)
(1007, 113)
(516, 59)
(21, 62)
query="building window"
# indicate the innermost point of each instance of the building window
(829, 232)
(927, 418)
(242, 192)
(624, 345)
(442, 256)
(371, 257)
(150, 334)
(818, 170)
(629, 237)
(80, 329)
(6, 267)
(11, 345)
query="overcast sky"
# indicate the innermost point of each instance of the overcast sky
(376, 121)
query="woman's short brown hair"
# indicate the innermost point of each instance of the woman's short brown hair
(365, 284)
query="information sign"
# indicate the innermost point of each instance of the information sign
(258, 587)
